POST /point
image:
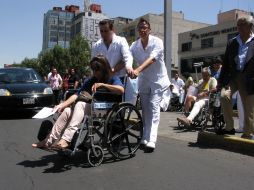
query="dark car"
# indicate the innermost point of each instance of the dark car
(23, 88)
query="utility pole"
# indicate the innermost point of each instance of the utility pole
(168, 35)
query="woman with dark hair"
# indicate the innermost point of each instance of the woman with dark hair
(68, 122)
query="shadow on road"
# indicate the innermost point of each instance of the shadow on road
(16, 115)
(63, 163)
(222, 147)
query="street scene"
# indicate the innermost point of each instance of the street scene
(127, 95)
(177, 163)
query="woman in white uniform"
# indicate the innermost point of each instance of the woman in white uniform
(148, 51)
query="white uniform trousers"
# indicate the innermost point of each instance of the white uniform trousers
(150, 104)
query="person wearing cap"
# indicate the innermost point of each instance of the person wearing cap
(205, 86)
(237, 73)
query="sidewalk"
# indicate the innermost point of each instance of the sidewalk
(169, 128)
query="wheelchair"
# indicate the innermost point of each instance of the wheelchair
(211, 112)
(174, 104)
(113, 127)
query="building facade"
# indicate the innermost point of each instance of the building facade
(201, 45)
(57, 26)
(86, 24)
(179, 24)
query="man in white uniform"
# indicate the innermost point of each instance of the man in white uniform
(152, 81)
(179, 84)
(114, 48)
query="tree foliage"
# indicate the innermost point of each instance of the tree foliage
(80, 54)
(77, 56)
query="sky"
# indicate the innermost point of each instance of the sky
(22, 20)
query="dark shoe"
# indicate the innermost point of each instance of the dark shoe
(184, 121)
(244, 136)
(148, 149)
(225, 132)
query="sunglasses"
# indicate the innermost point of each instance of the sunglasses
(104, 31)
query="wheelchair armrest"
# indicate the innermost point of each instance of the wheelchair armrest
(106, 96)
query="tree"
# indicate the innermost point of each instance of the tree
(77, 56)
(80, 55)
(57, 57)
(31, 63)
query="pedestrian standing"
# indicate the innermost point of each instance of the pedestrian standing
(237, 73)
(55, 82)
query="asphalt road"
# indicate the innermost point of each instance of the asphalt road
(177, 163)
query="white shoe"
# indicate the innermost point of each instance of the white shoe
(150, 145)
(144, 142)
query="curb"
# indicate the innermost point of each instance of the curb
(227, 142)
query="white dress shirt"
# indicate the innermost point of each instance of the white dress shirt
(153, 79)
(179, 83)
(117, 51)
(242, 51)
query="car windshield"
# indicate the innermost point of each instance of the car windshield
(19, 76)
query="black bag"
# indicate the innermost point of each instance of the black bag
(84, 96)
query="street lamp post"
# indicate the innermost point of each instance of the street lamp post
(197, 65)
(168, 35)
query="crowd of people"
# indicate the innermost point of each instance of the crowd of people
(234, 77)
(61, 83)
(112, 58)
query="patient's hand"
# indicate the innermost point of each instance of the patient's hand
(58, 108)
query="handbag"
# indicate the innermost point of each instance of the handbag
(84, 96)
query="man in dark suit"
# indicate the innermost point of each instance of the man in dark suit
(237, 73)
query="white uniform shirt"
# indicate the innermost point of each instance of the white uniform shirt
(154, 78)
(178, 83)
(117, 51)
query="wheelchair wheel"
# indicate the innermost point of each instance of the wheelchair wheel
(95, 156)
(124, 130)
(44, 130)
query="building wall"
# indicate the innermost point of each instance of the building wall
(231, 15)
(57, 28)
(199, 51)
(179, 24)
(87, 24)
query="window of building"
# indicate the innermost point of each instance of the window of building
(53, 39)
(53, 33)
(61, 22)
(78, 27)
(53, 27)
(186, 46)
(207, 43)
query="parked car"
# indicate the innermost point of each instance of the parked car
(23, 88)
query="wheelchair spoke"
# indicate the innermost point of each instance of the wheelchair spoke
(129, 114)
(128, 143)
(133, 135)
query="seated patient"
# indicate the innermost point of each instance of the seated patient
(68, 122)
(206, 85)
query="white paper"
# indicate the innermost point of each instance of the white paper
(44, 113)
